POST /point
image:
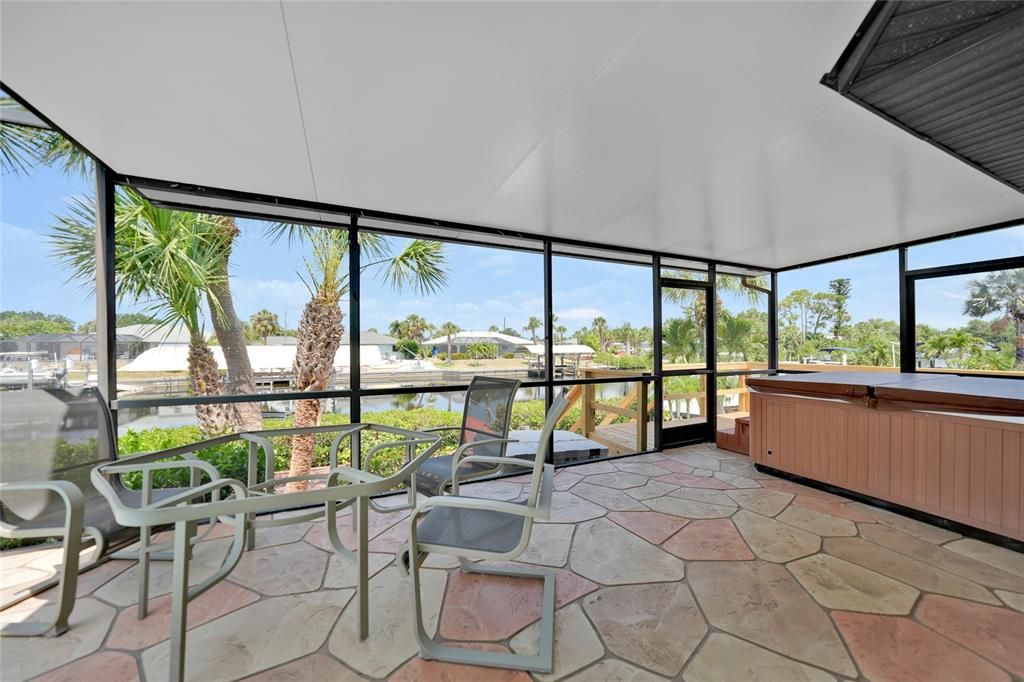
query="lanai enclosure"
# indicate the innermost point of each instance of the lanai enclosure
(709, 149)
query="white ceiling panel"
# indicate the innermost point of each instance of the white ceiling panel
(692, 128)
(197, 92)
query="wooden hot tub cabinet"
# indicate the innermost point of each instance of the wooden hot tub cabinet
(949, 446)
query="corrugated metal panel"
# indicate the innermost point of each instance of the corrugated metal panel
(951, 73)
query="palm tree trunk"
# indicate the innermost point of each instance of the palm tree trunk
(1019, 344)
(228, 327)
(317, 342)
(205, 376)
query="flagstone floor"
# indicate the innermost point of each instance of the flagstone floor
(683, 565)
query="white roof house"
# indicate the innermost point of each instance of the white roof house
(154, 333)
(462, 340)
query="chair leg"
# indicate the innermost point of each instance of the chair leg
(68, 582)
(143, 605)
(179, 598)
(542, 662)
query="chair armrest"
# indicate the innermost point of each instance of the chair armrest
(435, 429)
(122, 466)
(70, 494)
(457, 502)
(365, 461)
(187, 495)
(351, 475)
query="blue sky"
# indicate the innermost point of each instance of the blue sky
(486, 286)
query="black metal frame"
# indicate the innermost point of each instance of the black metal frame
(248, 204)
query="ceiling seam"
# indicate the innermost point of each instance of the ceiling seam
(298, 100)
(600, 75)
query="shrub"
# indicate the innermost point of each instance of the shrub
(509, 356)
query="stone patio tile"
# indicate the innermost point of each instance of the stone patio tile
(737, 480)
(342, 573)
(797, 489)
(841, 509)
(648, 458)
(594, 468)
(993, 555)
(942, 558)
(704, 495)
(110, 666)
(612, 669)
(281, 569)
(698, 460)
(724, 657)
(609, 498)
(610, 555)
(773, 540)
(651, 489)
(576, 643)
(123, 589)
(744, 468)
(131, 633)
(696, 481)
(88, 582)
(642, 469)
(569, 508)
(50, 552)
(281, 535)
(655, 626)
(690, 509)
(492, 490)
(549, 545)
(255, 638)
(566, 479)
(620, 480)
(709, 540)
(393, 540)
(481, 607)
(766, 502)
(889, 648)
(920, 574)
(763, 603)
(26, 657)
(376, 524)
(995, 633)
(392, 640)
(817, 523)
(654, 527)
(919, 529)
(704, 473)
(307, 669)
(419, 670)
(838, 584)
(676, 467)
(1012, 599)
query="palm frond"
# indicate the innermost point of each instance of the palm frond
(420, 266)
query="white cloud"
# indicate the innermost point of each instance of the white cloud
(579, 314)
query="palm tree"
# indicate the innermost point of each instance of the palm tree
(682, 340)
(264, 324)
(413, 328)
(1001, 292)
(449, 330)
(419, 266)
(532, 325)
(600, 327)
(561, 330)
(167, 259)
(24, 146)
(734, 334)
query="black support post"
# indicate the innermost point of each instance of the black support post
(711, 399)
(773, 324)
(106, 292)
(657, 347)
(549, 342)
(355, 405)
(908, 318)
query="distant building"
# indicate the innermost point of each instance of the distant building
(74, 346)
(157, 335)
(461, 342)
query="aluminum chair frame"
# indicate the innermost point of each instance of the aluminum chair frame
(183, 511)
(537, 506)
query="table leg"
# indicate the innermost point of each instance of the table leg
(363, 562)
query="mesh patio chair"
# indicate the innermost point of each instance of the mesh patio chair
(484, 432)
(475, 528)
(51, 439)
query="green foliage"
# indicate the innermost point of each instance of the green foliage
(604, 358)
(264, 323)
(231, 459)
(408, 347)
(482, 351)
(14, 323)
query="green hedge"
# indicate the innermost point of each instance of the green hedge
(231, 459)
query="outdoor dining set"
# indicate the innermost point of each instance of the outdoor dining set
(61, 477)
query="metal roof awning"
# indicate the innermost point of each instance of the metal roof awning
(951, 73)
